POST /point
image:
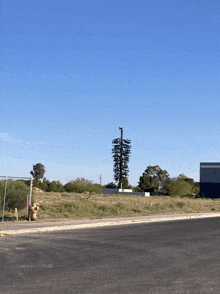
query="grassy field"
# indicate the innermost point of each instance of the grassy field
(81, 206)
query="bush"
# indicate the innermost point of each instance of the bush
(180, 187)
(16, 194)
(60, 187)
(196, 188)
(43, 186)
(55, 186)
(82, 186)
(36, 184)
(52, 187)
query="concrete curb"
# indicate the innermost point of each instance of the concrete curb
(106, 223)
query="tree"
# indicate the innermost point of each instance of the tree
(111, 185)
(166, 186)
(121, 152)
(38, 171)
(125, 184)
(153, 179)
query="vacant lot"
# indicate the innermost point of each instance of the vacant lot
(78, 206)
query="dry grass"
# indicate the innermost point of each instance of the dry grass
(79, 206)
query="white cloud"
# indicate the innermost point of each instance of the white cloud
(6, 138)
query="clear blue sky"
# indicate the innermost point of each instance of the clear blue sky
(73, 71)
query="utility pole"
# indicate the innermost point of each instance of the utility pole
(121, 150)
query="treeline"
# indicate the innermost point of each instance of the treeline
(17, 191)
(157, 181)
(154, 179)
(79, 185)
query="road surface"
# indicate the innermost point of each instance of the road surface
(166, 257)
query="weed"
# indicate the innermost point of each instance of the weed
(146, 207)
(136, 210)
(157, 206)
(64, 194)
(103, 208)
(120, 205)
(113, 210)
(180, 204)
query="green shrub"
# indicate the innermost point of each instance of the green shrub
(136, 210)
(43, 186)
(47, 186)
(60, 187)
(80, 186)
(103, 207)
(120, 205)
(36, 184)
(180, 187)
(180, 204)
(16, 194)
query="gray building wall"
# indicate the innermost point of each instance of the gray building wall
(118, 191)
(109, 191)
(210, 179)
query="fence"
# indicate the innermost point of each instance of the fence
(9, 178)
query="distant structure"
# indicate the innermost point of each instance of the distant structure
(210, 179)
(123, 191)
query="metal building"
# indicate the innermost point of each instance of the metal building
(210, 179)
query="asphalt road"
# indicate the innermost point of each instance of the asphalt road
(167, 257)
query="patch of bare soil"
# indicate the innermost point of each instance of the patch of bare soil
(37, 190)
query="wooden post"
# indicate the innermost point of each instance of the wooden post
(27, 202)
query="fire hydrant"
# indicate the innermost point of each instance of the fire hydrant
(34, 210)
